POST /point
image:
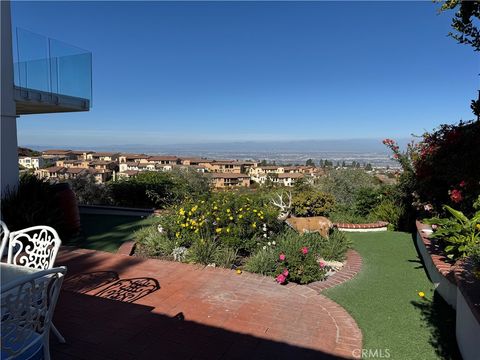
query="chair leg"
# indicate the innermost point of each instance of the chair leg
(59, 336)
(46, 347)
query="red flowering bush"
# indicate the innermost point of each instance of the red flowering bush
(294, 258)
(443, 168)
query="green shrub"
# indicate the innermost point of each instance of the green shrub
(344, 184)
(264, 262)
(158, 189)
(335, 247)
(150, 242)
(347, 214)
(459, 234)
(202, 252)
(226, 257)
(33, 202)
(389, 211)
(235, 220)
(475, 255)
(89, 192)
(312, 203)
(302, 268)
(366, 199)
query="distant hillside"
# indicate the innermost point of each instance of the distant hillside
(23, 151)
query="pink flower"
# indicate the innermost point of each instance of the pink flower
(282, 257)
(304, 250)
(285, 272)
(456, 196)
(462, 183)
(281, 278)
(322, 264)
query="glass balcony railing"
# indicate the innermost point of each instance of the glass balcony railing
(52, 66)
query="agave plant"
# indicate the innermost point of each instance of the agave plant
(459, 233)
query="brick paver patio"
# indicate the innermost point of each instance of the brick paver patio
(121, 307)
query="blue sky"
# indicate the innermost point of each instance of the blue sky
(178, 72)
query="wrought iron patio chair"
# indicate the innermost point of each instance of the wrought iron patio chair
(35, 247)
(27, 306)
(4, 235)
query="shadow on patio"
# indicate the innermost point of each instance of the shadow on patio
(99, 328)
(121, 307)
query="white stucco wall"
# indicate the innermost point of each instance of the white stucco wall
(8, 128)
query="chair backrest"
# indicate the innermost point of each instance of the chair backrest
(27, 307)
(34, 247)
(4, 235)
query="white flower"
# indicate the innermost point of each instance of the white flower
(269, 243)
(274, 243)
(160, 229)
(264, 248)
(265, 235)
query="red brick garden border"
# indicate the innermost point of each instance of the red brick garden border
(376, 225)
(352, 267)
(441, 262)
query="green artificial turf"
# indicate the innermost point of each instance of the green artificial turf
(383, 299)
(106, 232)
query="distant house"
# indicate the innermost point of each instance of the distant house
(163, 160)
(72, 163)
(137, 166)
(103, 156)
(101, 175)
(127, 157)
(31, 162)
(59, 153)
(127, 174)
(80, 154)
(289, 179)
(229, 166)
(192, 161)
(228, 180)
(53, 172)
(266, 169)
(103, 165)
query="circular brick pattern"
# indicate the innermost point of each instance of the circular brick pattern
(224, 315)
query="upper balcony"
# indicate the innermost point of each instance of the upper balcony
(50, 76)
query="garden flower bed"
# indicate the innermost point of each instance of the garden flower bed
(240, 231)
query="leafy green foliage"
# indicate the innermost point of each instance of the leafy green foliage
(302, 267)
(203, 251)
(458, 233)
(150, 242)
(441, 169)
(88, 191)
(344, 184)
(465, 30)
(236, 220)
(33, 202)
(262, 262)
(226, 257)
(298, 254)
(312, 203)
(335, 247)
(158, 189)
(389, 211)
